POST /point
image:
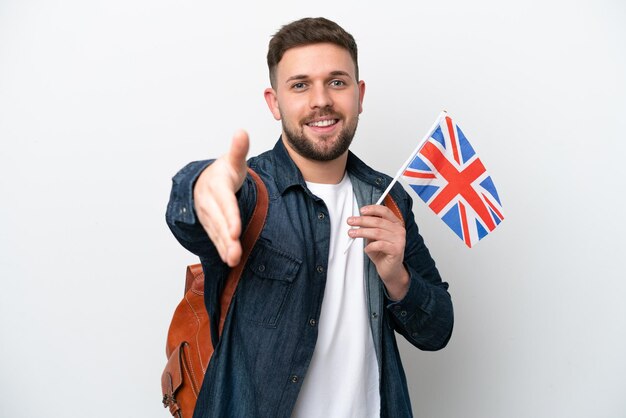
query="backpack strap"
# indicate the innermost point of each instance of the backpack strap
(248, 239)
(391, 204)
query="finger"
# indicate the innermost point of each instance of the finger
(375, 222)
(214, 222)
(371, 222)
(228, 249)
(383, 247)
(225, 209)
(374, 234)
(215, 239)
(234, 253)
(227, 205)
(239, 149)
(381, 211)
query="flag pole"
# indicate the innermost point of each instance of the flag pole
(412, 157)
(406, 163)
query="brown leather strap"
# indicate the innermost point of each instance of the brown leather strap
(193, 271)
(248, 239)
(391, 204)
(171, 380)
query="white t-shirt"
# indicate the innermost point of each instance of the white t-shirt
(342, 380)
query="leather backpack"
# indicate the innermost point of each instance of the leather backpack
(189, 347)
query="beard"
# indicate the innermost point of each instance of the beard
(325, 149)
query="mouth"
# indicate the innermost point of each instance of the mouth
(322, 123)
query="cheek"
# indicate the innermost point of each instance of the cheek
(292, 110)
(350, 104)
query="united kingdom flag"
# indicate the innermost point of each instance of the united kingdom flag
(449, 177)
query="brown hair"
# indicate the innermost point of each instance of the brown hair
(310, 30)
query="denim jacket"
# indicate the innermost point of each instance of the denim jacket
(261, 359)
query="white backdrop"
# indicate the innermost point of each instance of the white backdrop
(101, 102)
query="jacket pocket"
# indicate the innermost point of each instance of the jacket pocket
(265, 288)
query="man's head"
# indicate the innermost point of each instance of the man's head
(316, 93)
(307, 31)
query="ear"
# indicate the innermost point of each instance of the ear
(361, 94)
(272, 102)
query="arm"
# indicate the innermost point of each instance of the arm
(204, 208)
(417, 299)
(425, 315)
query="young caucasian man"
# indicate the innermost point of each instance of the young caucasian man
(311, 329)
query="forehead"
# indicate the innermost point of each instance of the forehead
(315, 60)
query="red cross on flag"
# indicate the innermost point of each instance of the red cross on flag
(449, 177)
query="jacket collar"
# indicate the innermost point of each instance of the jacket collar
(288, 174)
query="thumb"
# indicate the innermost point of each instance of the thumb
(239, 149)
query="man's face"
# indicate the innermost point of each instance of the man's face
(317, 99)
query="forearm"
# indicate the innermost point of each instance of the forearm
(397, 288)
(425, 315)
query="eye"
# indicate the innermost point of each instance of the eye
(298, 86)
(337, 83)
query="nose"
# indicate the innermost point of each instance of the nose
(320, 97)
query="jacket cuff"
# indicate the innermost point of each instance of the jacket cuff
(416, 298)
(181, 205)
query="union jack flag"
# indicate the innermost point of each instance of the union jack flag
(449, 177)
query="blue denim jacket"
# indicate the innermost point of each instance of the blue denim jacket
(269, 336)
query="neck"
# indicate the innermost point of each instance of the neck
(325, 172)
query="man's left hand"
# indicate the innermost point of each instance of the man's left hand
(386, 239)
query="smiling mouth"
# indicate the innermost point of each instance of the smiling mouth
(323, 123)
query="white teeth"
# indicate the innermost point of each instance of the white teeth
(327, 122)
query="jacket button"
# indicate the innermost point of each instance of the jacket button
(320, 269)
(261, 268)
(374, 315)
(403, 313)
(321, 216)
(378, 181)
(312, 322)
(294, 379)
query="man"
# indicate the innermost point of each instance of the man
(310, 332)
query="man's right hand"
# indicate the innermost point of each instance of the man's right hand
(215, 201)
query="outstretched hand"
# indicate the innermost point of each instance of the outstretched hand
(215, 202)
(386, 240)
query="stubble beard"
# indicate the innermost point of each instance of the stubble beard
(311, 150)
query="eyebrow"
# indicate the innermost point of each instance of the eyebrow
(339, 72)
(296, 77)
(304, 76)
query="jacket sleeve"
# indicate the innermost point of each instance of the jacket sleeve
(425, 315)
(181, 216)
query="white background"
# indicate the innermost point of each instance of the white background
(101, 102)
